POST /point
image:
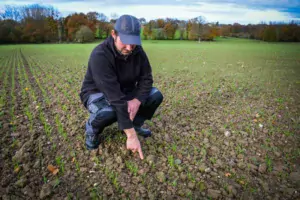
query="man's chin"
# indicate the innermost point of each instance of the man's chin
(126, 53)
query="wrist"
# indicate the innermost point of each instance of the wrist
(130, 133)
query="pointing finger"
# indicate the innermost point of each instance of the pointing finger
(141, 153)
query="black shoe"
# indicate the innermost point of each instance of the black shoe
(143, 132)
(92, 141)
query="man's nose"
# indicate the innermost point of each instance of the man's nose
(129, 47)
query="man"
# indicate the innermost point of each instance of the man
(118, 86)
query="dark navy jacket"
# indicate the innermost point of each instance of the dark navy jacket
(118, 77)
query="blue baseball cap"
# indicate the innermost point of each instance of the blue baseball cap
(129, 29)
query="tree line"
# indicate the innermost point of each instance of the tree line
(44, 24)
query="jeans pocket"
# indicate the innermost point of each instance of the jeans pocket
(97, 105)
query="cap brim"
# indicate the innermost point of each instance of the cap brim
(130, 39)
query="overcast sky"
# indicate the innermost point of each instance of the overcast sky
(224, 11)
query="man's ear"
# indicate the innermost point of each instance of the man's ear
(113, 34)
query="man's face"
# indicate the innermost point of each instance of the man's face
(124, 49)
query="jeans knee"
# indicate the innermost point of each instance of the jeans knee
(104, 119)
(156, 96)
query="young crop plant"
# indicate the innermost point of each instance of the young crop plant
(37, 74)
(60, 127)
(12, 94)
(174, 147)
(5, 83)
(29, 116)
(133, 168)
(171, 161)
(190, 177)
(269, 163)
(239, 149)
(59, 162)
(113, 177)
(47, 126)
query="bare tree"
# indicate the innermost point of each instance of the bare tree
(113, 17)
(197, 27)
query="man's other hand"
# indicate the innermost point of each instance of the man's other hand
(133, 107)
(133, 142)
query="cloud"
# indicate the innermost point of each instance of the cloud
(229, 11)
(247, 3)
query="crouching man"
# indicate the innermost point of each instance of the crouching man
(118, 86)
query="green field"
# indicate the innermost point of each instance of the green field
(228, 126)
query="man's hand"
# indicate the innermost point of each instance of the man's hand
(133, 107)
(133, 142)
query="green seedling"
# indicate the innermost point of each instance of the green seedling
(174, 147)
(269, 163)
(171, 161)
(174, 183)
(239, 149)
(59, 161)
(45, 180)
(133, 168)
(56, 183)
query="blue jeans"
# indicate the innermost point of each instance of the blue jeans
(102, 114)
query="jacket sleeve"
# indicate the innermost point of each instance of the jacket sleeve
(106, 80)
(145, 81)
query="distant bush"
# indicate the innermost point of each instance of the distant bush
(158, 34)
(84, 34)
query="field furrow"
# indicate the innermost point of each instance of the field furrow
(228, 127)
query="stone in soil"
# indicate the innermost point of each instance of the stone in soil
(295, 178)
(205, 141)
(202, 186)
(183, 176)
(252, 167)
(21, 182)
(119, 159)
(150, 159)
(244, 134)
(207, 170)
(241, 165)
(277, 154)
(160, 176)
(28, 191)
(232, 190)
(213, 193)
(191, 185)
(202, 168)
(227, 133)
(46, 191)
(262, 168)
(177, 162)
